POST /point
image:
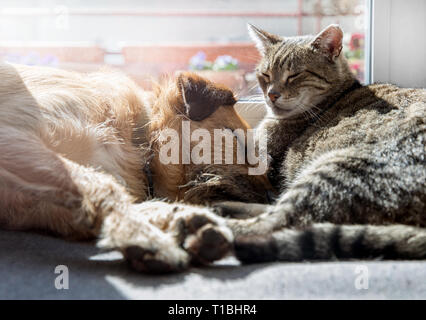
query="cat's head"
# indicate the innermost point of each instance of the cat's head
(297, 74)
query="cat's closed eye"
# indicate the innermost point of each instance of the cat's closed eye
(265, 77)
(293, 76)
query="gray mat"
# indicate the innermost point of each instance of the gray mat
(28, 261)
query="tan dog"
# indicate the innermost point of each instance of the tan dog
(79, 152)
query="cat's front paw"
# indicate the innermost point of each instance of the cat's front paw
(208, 244)
(202, 234)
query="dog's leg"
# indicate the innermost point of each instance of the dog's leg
(45, 191)
(36, 190)
(41, 190)
(239, 210)
(154, 236)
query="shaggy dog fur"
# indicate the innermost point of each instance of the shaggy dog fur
(73, 149)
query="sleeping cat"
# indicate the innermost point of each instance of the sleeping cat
(349, 159)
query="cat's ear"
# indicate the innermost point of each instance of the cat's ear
(202, 97)
(261, 38)
(329, 42)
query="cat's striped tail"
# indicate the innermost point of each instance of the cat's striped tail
(326, 241)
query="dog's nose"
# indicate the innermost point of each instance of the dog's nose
(273, 95)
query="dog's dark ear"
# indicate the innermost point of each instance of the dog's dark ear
(201, 97)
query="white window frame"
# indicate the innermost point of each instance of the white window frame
(398, 42)
(368, 77)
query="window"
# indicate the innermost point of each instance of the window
(399, 44)
(150, 38)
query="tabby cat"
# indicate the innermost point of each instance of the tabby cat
(349, 159)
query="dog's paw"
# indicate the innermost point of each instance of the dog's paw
(145, 247)
(151, 261)
(203, 235)
(157, 237)
(162, 257)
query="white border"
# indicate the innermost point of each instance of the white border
(380, 39)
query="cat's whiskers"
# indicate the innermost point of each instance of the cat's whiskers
(310, 107)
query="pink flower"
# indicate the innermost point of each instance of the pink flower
(356, 40)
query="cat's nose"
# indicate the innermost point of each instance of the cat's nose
(273, 95)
